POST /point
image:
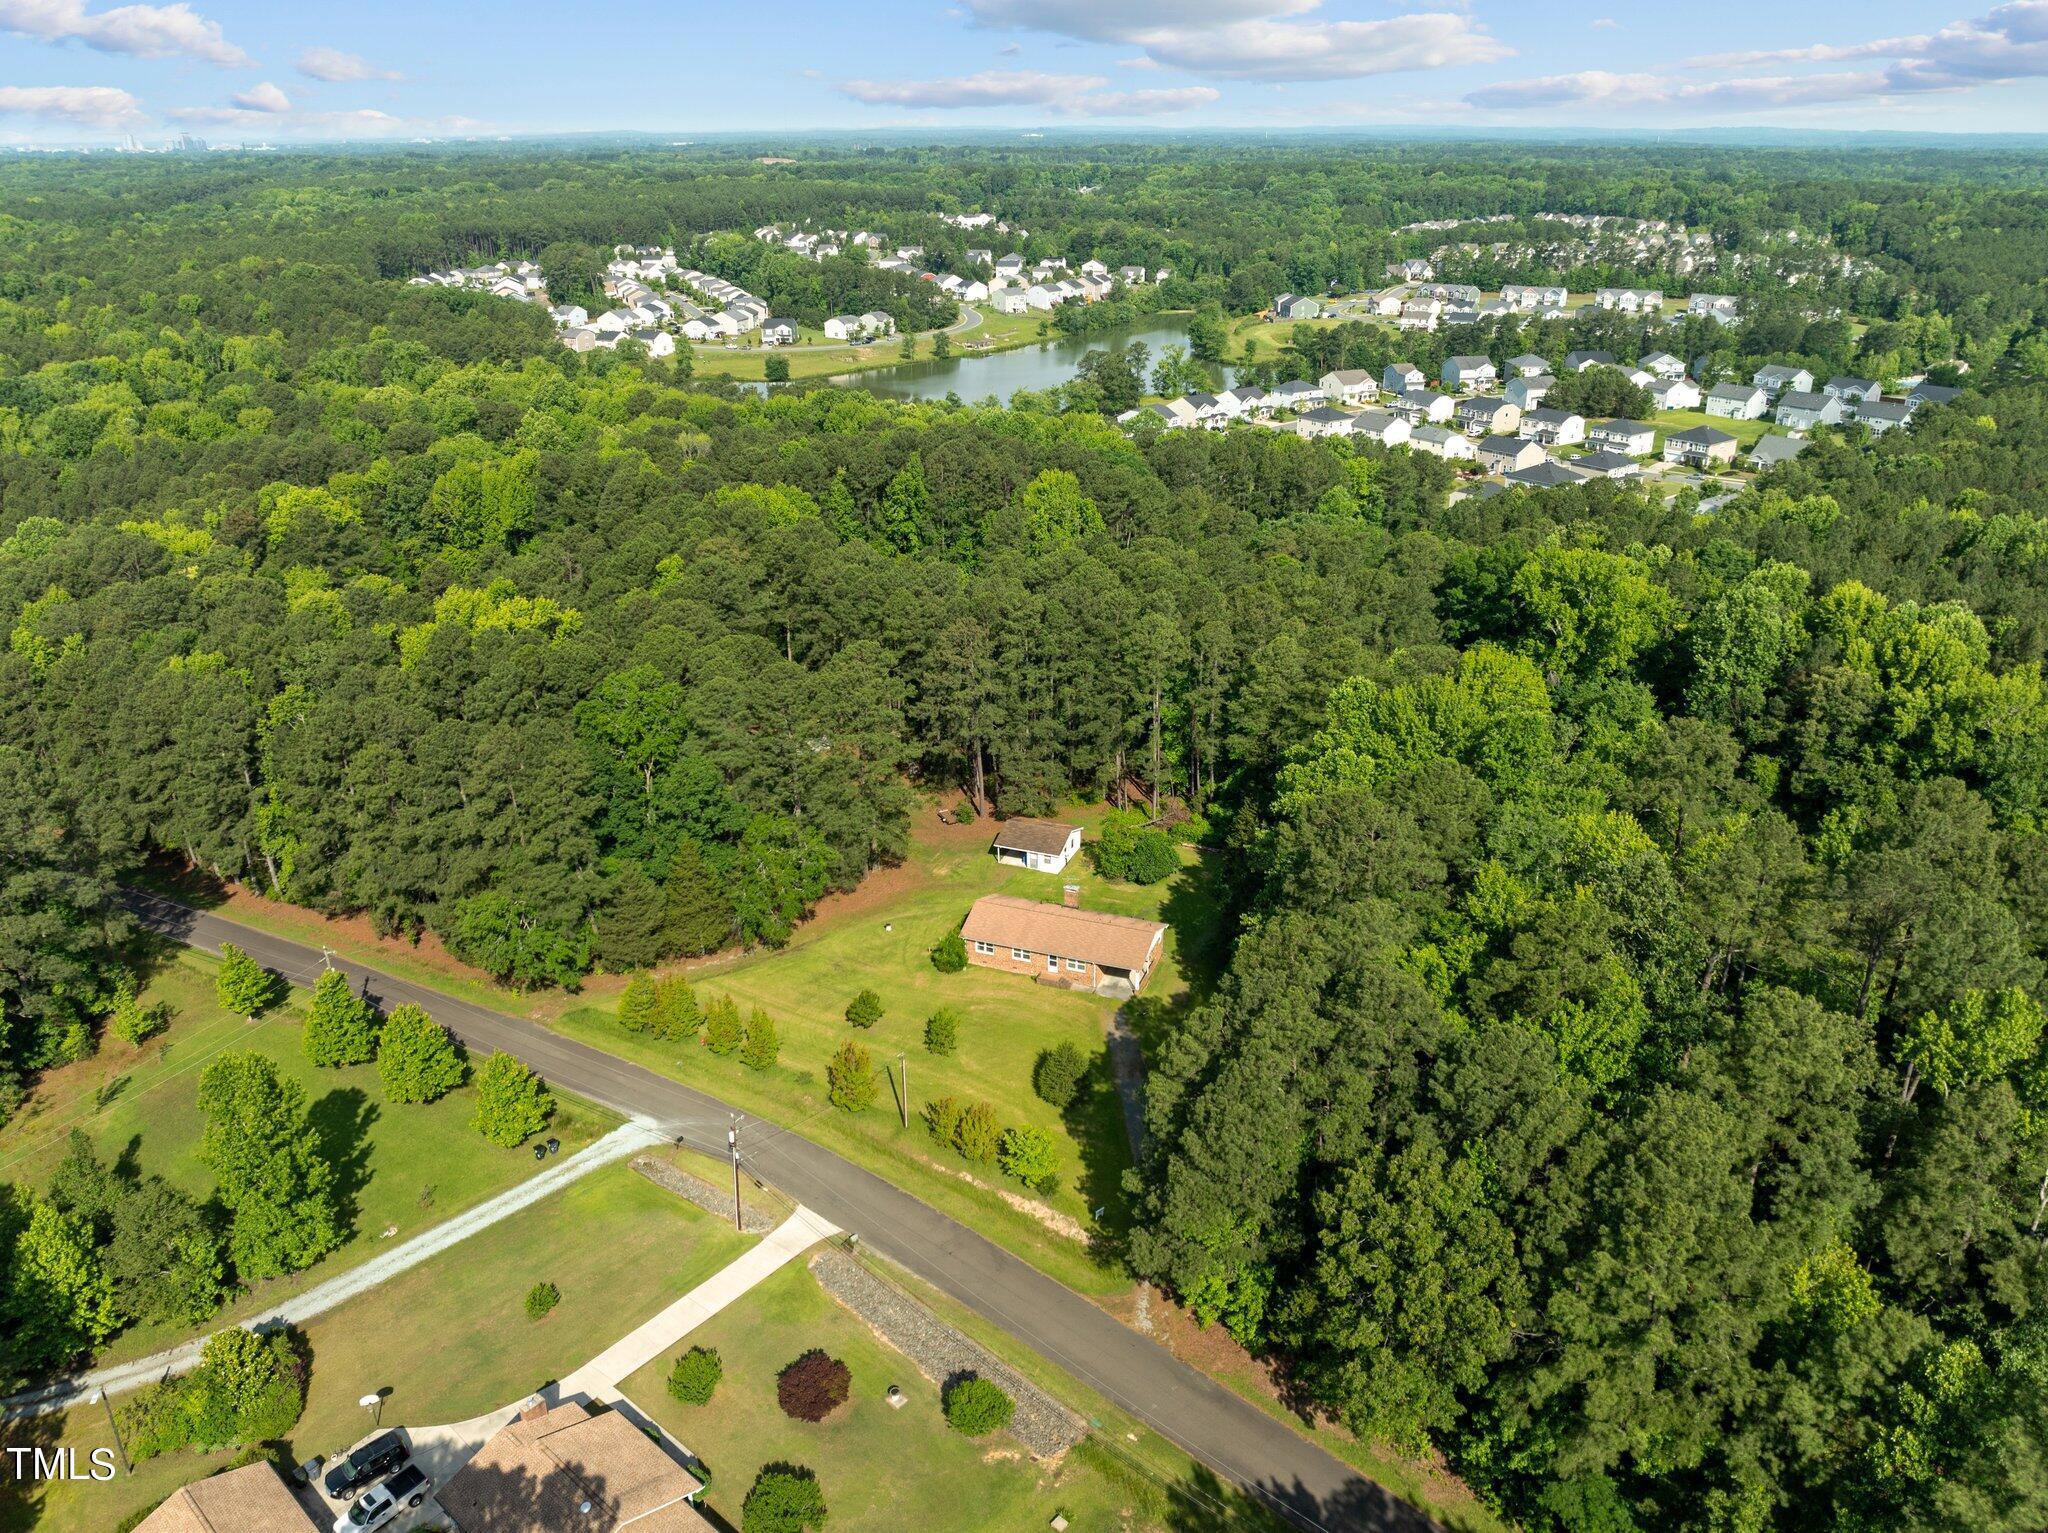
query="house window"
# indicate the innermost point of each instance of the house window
(1022, 955)
(1075, 966)
(1051, 964)
(984, 948)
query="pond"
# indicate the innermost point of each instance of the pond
(1001, 373)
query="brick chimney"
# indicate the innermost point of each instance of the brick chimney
(532, 1408)
(1070, 896)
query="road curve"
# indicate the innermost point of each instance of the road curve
(1310, 1487)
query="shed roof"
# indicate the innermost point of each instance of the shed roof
(1027, 835)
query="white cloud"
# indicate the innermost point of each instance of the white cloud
(84, 106)
(263, 98)
(1604, 23)
(1256, 39)
(358, 122)
(2008, 43)
(146, 31)
(1075, 95)
(1139, 61)
(1010, 50)
(334, 66)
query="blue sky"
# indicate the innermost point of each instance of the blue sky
(86, 70)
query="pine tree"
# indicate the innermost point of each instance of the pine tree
(636, 1003)
(763, 1044)
(417, 1058)
(722, 1030)
(633, 930)
(511, 1104)
(906, 507)
(259, 1143)
(341, 1027)
(675, 1015)
(242, 985)
(850, 1078)
(699, 916)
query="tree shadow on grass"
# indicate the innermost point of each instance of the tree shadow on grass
(1196, 907)
(341, 1123)
(1095, 1120)
(22, 1490)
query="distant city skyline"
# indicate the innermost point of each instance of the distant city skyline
(80, 71)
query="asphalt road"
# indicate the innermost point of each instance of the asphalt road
(1240, 1442)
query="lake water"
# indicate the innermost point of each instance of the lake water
(1042, 366)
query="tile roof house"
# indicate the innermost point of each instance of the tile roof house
(1061, 944)
(569, 1467)
(254, 1496)
(1045, 845)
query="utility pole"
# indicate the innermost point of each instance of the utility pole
(732, 1139)
(903, 1087)
(115, 1427)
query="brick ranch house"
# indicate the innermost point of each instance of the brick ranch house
(1062, 944)
(1044, 846)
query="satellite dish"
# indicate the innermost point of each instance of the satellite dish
(369, 1400)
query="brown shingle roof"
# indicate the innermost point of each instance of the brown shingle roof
(1095, 936)
(254, 1496)
(536, 1476)
(1024, 835)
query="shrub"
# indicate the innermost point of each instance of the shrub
(942, 1031)
(976, 1407)
(813, 1387)
(675, 1015)
(784, 1499)
(695, 1376)
(417, 1058)
(341, 1027)
(247, 1388)
(763, 1044)
(865, 1009)
(1058, 1075)
(978, 1133)
(963, 812)
(511, 1103)
(636, 1003)
(1152, 859)
(131, 1021)
(850, 1078)
(1114, 838)
(776, 369)
(541, 1298)
(950, 956)
(242, 986)
(1031, 1156)
(941, 1119)
(722, 1031)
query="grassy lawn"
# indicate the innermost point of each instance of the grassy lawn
(449, 1339)
(824, 359)
(881, 1468)
(1746, 433)
(878, 938)
(403, 1168)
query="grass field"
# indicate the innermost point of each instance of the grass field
(825, 359)
(403, 1168)
(881, 1468)
(447, 1340)
(1746, 433)
(879, 938)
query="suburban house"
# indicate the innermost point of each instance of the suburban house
(1381, 426)
(1420, 314)
(1556, 428)
(1062, 944)
(1424, 405)
(1468, 374)
(1414, 269)
(1529, 295)
(1245, 398)
(875, 322)
(1351, 386)
(1323, 420)
(1635, 439)
(1503, 454)
(1630, 300)
(1932, 394)
(254, 1496)
(1802, 412)
(1486, 414)
(1401, 378)
(1547, 475)
(1526, 393)
(1295, 306)
(778, 332)
(1701, 446)
(571, 1467)
(1130, 276)
(1528, 365)
(1774, 378)
(1046, 846)
(1675, 394)
(1009, 301)
(567, 314)
(1774, 449)
(841, 327)
(1723, 308)
(1294, 395)
(1173, 412)
(1442, 442)
(1736, 401)
(1579, 361)
(1608, 465)
(659, 343)
(1851, 390)
(1662, 364)
(1881, 415)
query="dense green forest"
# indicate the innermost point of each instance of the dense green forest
(1628, 1077)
